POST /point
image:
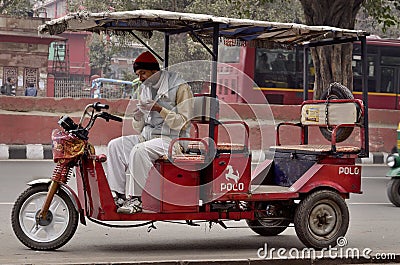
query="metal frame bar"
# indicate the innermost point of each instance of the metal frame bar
(213, 92)
(333, 41)
(365, 92)
(147, 46)
(306, 49)
(166, 50)
(363, 39)
(202, 43)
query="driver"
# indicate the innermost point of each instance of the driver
(162, 114)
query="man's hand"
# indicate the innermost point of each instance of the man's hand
(137, 114)
(151, 105)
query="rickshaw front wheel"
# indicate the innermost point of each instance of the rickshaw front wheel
(44, 234)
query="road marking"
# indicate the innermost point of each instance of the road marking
(6, 203)
(369, 203)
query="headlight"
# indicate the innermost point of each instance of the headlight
(393, 160)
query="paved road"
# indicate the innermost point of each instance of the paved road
(374, 225)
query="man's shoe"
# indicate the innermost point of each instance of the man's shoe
(133, 205)
(119, 201)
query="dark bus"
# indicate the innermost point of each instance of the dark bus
(279, 73)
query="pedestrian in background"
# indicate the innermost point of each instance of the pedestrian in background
(8, 88)
(31, 90)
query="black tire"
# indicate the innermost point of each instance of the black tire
(267, 227)
(62, 223)
(393, 191)
(321, 219)
(337, 91)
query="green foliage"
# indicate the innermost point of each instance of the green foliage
(100, 54)
(384, 15)
(384, 12)
(187, 48)
(19, 8)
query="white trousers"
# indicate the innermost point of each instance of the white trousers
(127, 154)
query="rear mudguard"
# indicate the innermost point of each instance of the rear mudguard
(393, 172)
(70, 192)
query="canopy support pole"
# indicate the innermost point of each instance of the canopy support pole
(365, 92)
(306, 49)
(166, 50)
(213, 92)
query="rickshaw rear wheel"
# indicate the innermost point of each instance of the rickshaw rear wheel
(265, 226)
(393, 191)
(321, 219)
(46, 234)
(337, 91)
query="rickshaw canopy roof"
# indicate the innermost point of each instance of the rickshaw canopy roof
(233, 31)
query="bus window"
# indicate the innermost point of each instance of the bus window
(271, 67)
(357, 73)
(233, 86)
(262, 63)
(390, 60)
(387, 79)
(228, 54)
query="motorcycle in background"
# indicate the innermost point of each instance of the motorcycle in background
(393, 186)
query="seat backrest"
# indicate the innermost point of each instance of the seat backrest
(333, 113)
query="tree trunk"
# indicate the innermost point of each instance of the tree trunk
(332, 63)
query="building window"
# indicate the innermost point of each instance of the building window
(10, 72)
(31, 76)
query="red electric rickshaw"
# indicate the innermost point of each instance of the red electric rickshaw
(305, 185)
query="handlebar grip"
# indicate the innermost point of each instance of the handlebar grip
(99, 106)
(108, 116)
(115, 118)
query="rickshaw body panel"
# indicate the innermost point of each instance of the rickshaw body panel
(231, 175)
(99, 202)
(172, 188)
(175, 194)
(343, 178)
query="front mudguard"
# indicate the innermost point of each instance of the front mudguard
(393, 172)
(70, 192)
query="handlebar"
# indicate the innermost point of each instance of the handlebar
(79, 129)
(99, 106)
(108, 116)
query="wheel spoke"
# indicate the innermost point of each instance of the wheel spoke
(330, 218)
(315, 221)
(31, 216)
(50, 231)
(38, 202)
(60, 219)
(35, 229)
(54, 205)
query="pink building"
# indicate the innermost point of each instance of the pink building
(68, 63)
(24, 54)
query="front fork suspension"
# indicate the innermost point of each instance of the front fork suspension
(50, 195)
(61, 174)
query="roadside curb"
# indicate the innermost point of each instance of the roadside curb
(40, 151)
(269, 261)
(374, 158)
